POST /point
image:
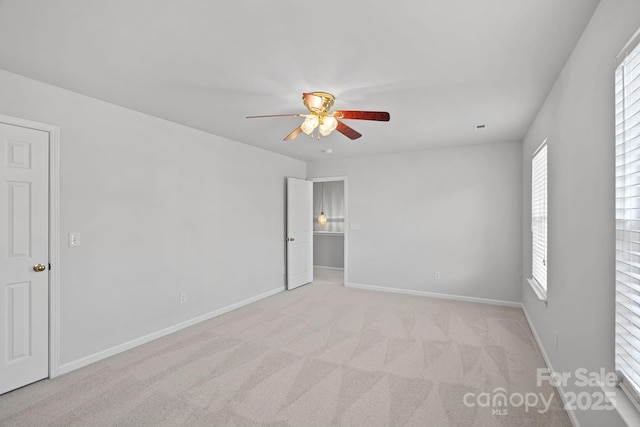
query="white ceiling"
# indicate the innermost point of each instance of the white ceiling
(439, 67)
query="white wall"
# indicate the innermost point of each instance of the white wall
(162, 209)
(578, 120)
(456, 211)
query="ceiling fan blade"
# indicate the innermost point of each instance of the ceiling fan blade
(347, 131)
(297, 131)
(276, 115)
(381, 116)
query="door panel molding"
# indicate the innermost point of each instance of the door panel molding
(18, 317)
(54, 233)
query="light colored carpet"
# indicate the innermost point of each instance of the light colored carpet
(319, 355)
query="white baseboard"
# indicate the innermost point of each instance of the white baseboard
(79, 363)
(324, 267)
(434, 295)
(572, 414)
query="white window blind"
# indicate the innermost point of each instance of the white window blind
(627, 122)
(539, 216)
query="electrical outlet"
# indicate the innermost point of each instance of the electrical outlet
(183, 298)
(74, 239)
(436, 275)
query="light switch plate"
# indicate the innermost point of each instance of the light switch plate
(354, 226)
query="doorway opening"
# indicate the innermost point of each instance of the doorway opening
(330, 237)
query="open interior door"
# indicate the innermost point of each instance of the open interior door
(299, 232)
(24, 256)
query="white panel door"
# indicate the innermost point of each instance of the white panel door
(299, 232)
(24, 249)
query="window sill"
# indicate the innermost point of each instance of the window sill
(540, 292)
(624, 406)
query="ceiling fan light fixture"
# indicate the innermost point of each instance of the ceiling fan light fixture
(324, 131)
(328, 125)
(309, 124)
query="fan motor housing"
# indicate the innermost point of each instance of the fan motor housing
(318, 102)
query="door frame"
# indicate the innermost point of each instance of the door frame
(346, 217)
(54, 232)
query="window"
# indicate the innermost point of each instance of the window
(539, 222)
(627, 146)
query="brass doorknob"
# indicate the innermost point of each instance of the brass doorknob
(39, 267)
